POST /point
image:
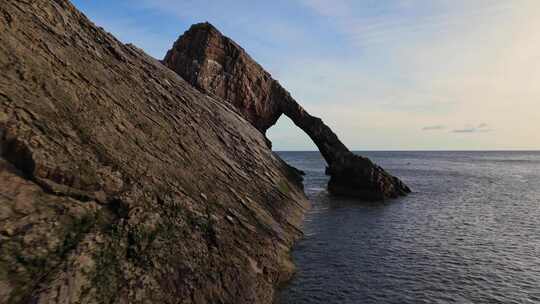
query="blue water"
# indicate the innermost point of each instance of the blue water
(470, 233)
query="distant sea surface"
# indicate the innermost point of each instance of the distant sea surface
(469, 233)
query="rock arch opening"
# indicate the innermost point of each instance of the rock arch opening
(286, 136)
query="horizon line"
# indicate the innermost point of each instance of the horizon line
(427, 150)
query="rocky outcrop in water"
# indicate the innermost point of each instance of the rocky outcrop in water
(217, 65)
(121, 183)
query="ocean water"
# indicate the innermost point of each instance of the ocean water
(470, 233)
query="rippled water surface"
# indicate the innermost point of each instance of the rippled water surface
(470, 233)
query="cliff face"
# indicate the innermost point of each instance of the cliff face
(121, 183)
(217, 65)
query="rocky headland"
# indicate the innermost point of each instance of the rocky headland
(122, 182)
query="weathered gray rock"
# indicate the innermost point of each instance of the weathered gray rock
(121, 183)
(217, 65)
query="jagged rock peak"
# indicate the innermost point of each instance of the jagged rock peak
(217, 65)
(204, 26)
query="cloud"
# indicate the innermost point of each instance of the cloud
(481, 128)
(434, 128)
(442, 61)
(466, 130)
(384, 23)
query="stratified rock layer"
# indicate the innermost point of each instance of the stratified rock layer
(217, 65)
(121, 183)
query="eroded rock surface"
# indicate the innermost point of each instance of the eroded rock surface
(217, 65)
(121, 183)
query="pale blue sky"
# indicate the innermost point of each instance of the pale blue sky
(385, 75)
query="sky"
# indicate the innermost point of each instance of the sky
(383, 74)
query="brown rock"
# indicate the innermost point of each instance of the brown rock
(109, 152)
(217, 65)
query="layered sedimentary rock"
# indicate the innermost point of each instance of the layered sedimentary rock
(121, 183)
(217, 65)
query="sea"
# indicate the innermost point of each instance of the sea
(469, 233)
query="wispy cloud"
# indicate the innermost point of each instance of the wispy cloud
(481, 128)
(387, 22)
(466, 55)
(434, 128)
(466, 130)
